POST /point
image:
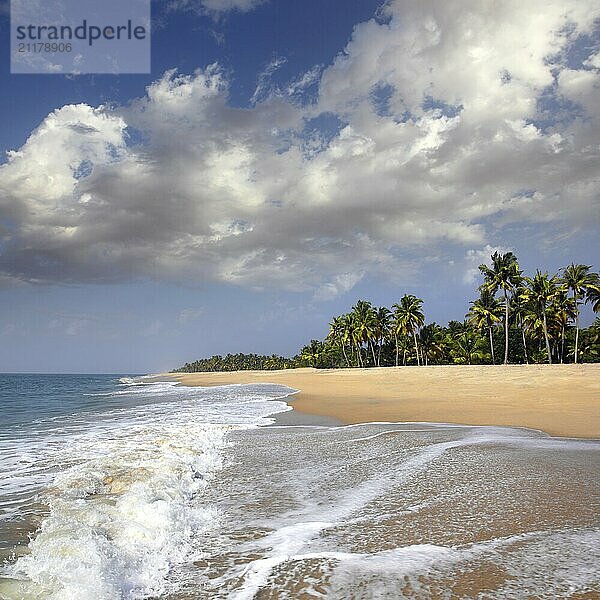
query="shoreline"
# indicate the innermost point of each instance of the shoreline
(560, 400)
(297, 418)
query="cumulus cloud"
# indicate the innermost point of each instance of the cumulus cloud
(447, 134)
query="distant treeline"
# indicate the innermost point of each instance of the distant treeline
(515, 319)
(238, 362)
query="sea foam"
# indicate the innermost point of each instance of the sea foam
(125, 491)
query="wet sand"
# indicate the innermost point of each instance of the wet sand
(562, 400)
(403, 511)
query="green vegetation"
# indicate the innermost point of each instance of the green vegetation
(524, 319)
(238, 362)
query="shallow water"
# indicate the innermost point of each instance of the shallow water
(186, 493)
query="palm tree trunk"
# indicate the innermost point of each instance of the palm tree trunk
(396, 340)
(373, 352)
(524, 345)
(562, 345)
(505, 328)
(345, 355)
(576, 326)
(416, 348)
(492, 345)
(404, 357)
(546, 338)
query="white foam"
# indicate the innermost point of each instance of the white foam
(554, 563)
(127, 503)
(298, 529)
(118, 523)
(291, 539)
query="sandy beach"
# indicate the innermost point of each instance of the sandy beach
(562, 400)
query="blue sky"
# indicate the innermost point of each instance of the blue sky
(282, 160)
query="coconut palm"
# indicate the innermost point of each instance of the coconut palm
(338, 335)
(504, 275)
(410, 314)
(593, 295)
(398, 329)
(590, 343)
(484, 314)
(348, 333)
(431, 341)
(366, 323)
(467, 347)
(382, 329)
(561, 312)
(312, 352)
(579, 282)
(540, 292)
(520, 310)
(400, 332)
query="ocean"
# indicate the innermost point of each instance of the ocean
(117, 487)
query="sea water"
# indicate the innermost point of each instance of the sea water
(118, 488)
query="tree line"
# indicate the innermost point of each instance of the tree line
(238, 362)
(515, 319)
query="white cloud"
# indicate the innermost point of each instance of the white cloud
(341, 283)
(583, 87)
(481, 256)
(264, 87)
(231, 195)
(304, 81)
(227, 5)
(215, 7)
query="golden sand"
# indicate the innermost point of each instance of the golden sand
(562, 400)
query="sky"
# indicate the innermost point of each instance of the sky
(283, 160)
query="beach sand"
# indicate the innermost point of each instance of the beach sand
(562, 400)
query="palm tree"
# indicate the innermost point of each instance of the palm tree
(593, 295)
(485, 312)
(431, 342)
(466, 345)
(561, 312)
(520, 311)
(382, 329)
(312, 352)
(579, 281)
(348, 333)
(410, 314)
(398, 328)
(337, 335)
(503, 275)
(541, 291)
(365, 322)
(590, 346)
